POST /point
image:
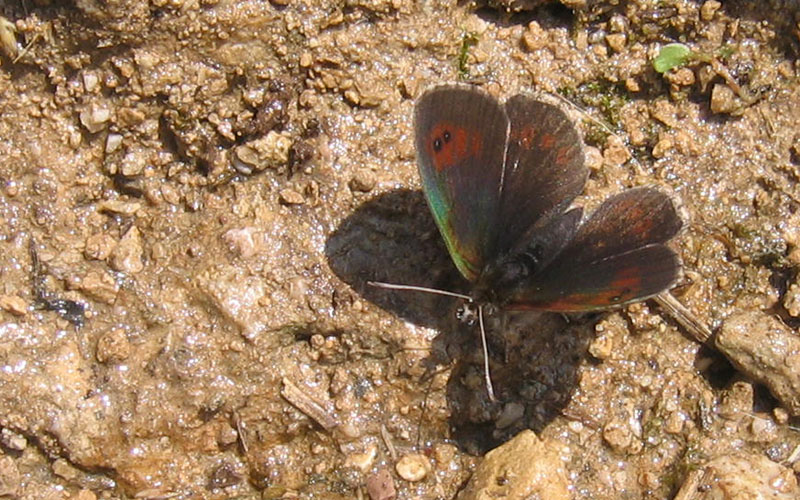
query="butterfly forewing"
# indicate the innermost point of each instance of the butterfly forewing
(544, 169)
(461, 133)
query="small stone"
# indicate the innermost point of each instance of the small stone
(64, 469)
(99, 246)
(594, 157)
(791, 301)
(724, 99)
(632, 85)
(413, 467)
(245, 242)
(664, 111)
(270, 151)
(84, 495)
(525, 467)
(444, 454)
(306, 60)
(99, 285)
(741, 476)
(170, 194)
(362, 460)
(113, 346)
(616, 41)
(14, 304)
(602, 347)
(9, 477)
(127, 208)
(534, 38)
(113, 142)
(663, 147)
(12, 440)
(363, 180)
(682, 76)
(765, 350)
(95, 117)
(290, 197)
(133, 163)
(618, 435)
(674, 423)
(227, 436)
(615, 153)
(708, 9)
(127, 255)
(353, 97)
(380, 486)
(90, 81)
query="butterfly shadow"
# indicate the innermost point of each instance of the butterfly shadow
(534, 356)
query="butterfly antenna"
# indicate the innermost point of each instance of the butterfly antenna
(489, 388)
(393, 286)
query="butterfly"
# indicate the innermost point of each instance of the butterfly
(500, 180)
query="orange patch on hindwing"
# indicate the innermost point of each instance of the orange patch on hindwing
(449, 145)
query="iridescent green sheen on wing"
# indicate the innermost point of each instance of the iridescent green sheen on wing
(461, 134)
(463, 257)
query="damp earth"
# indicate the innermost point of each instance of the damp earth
(195, 193)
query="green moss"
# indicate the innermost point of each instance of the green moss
(468, 40)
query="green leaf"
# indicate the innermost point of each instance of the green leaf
(671, 56)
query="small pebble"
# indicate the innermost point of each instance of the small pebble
(13, 304)
(9, 477)
(791, 301)
(100, 285)
(95, 117)
(380, 486)
(99, 246)
(708, 9)
(84, 495)
(724, 99)
(64, 469)
(413, 467)
(127, 255)
(616, 41)
(363, 180)
(615, 153)
(362, 460)
(12, 440)
(290, 197)
(618, 435)
(113, 346)
(113, 142)
(119, 207)
(682, 76)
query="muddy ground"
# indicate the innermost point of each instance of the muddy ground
(195, 192)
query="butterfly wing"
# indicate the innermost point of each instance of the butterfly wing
(544, 170)
(461, 133)
(618, 256)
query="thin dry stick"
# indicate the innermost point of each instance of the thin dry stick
(303, 402)
(691, 487)
(387, 440)
(685, 317)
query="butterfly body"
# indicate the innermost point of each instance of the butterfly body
(500, 179)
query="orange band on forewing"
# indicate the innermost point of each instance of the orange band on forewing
(455, 144)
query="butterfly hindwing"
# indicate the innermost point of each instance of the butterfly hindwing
(461, 134)
(618, 256)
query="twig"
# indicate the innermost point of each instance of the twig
(313, 409)
(685, 317)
